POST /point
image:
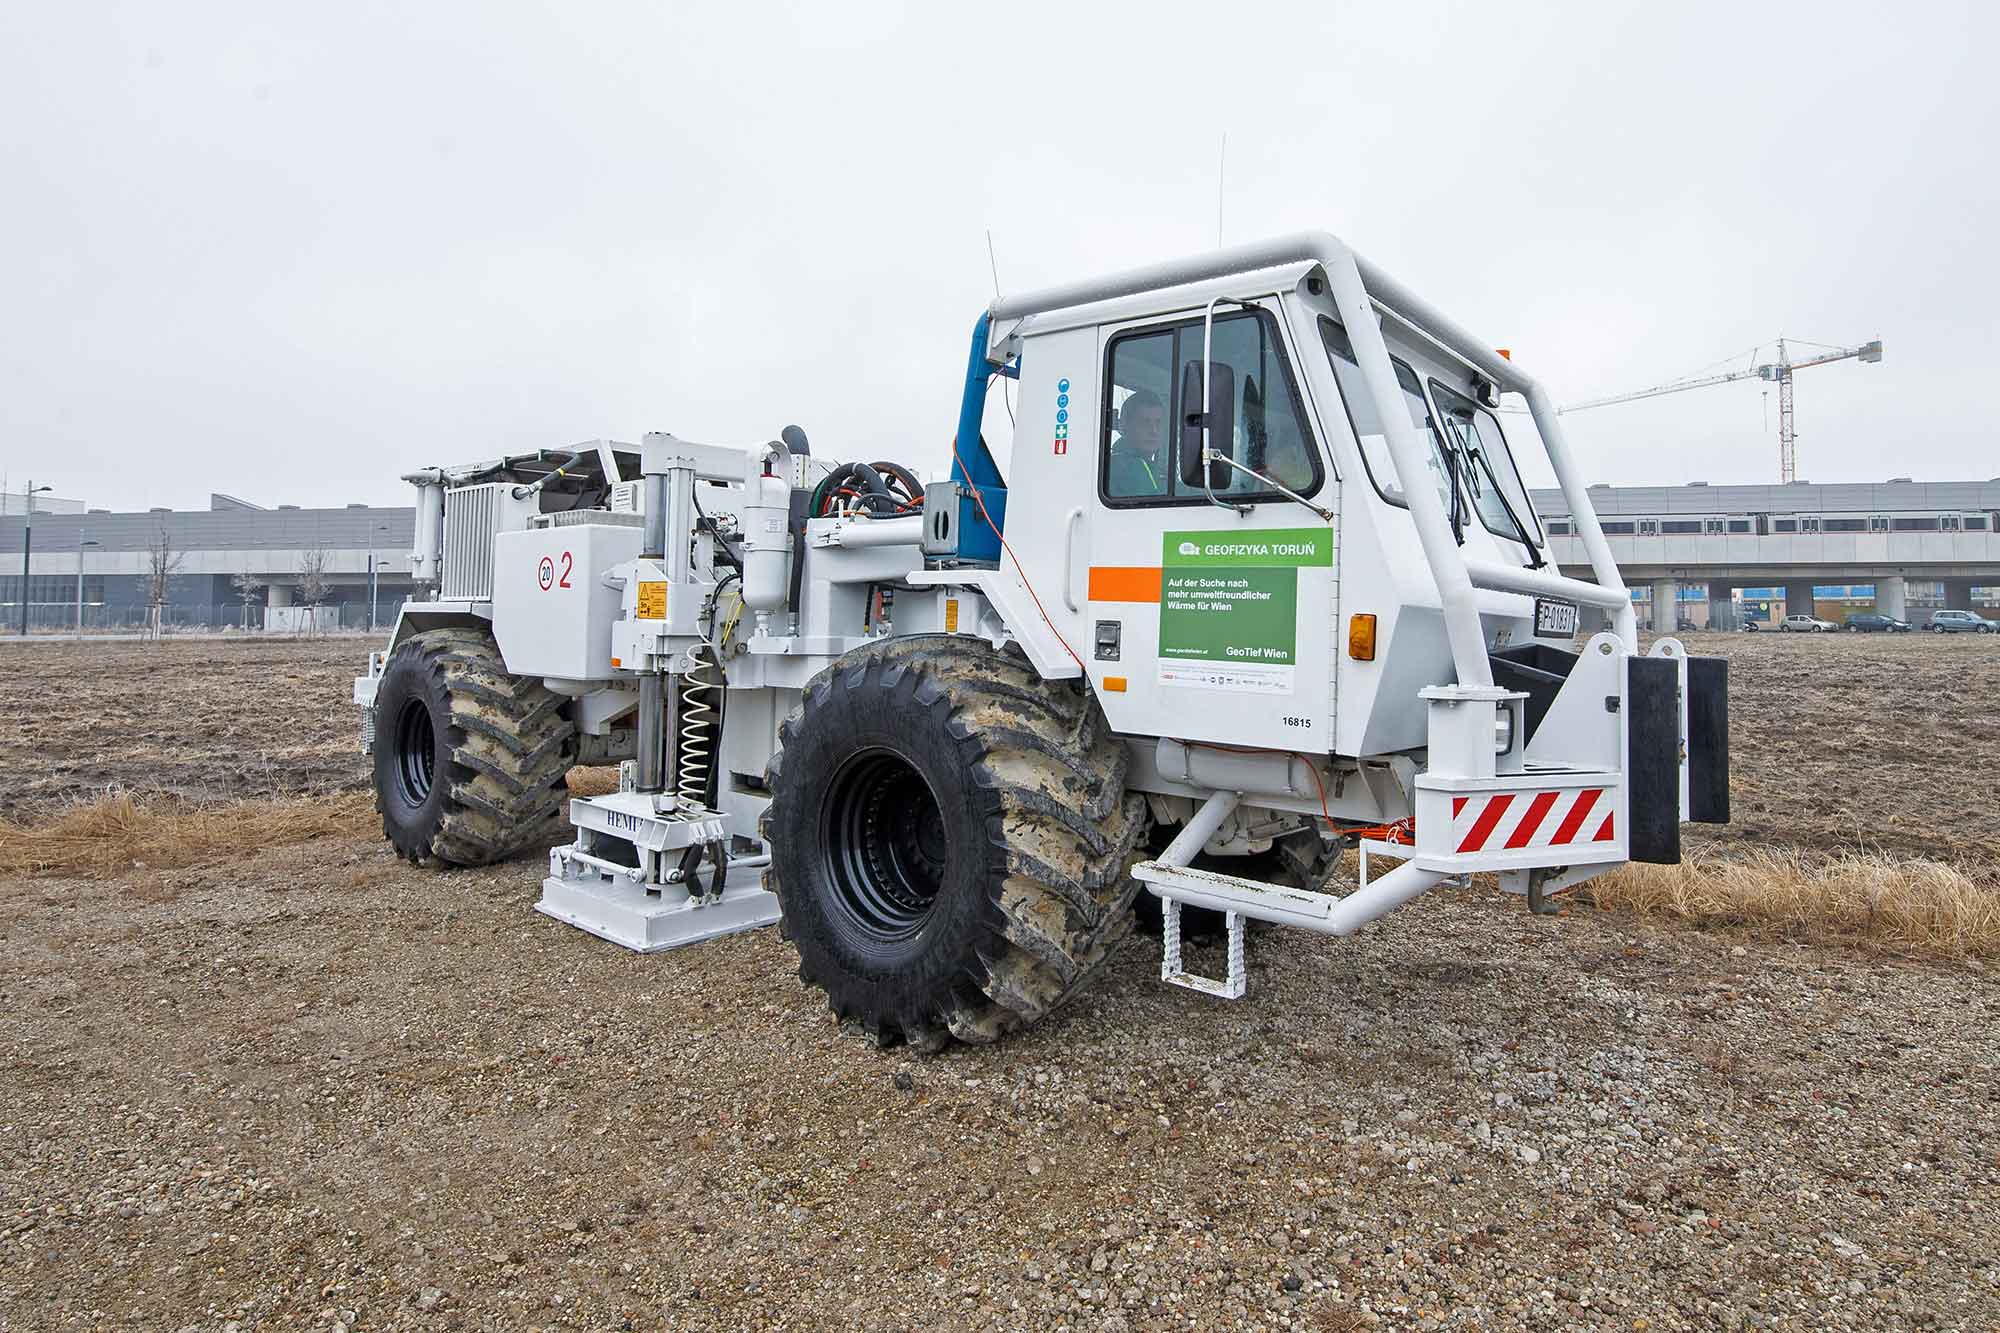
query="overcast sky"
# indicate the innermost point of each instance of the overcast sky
(293, 251)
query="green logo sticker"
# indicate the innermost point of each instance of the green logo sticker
(1272, 548)
(1233, 597)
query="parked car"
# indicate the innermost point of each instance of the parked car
(1961, 622)
(1804, 624)
(1874, 622)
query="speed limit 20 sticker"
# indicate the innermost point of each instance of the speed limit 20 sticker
(546, 575)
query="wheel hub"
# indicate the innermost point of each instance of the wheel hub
(885, 847)
(416, 752)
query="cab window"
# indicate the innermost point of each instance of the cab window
(1368, 428)
(1497, 492)
(1146, 377)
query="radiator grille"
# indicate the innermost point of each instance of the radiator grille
(471, 517)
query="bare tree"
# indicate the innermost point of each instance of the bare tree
(162, 563)
(313, 585)
(247, 587)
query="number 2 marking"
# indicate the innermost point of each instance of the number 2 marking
(545, 572)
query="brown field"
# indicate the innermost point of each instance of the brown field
(1862, 743)
(188, 720)
(260, 1073)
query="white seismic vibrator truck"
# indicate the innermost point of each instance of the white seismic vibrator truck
(1263, 584)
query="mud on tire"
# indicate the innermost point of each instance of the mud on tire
(469, 761)
(949, 839)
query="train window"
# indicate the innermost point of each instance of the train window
(1679, 526)
(1949, 522)
(1559, 527)
(1975, 523)
(1809, 523)
(1878, 523)
(1617, 529)
(1784, 525)
(1712, 526)
(1649, 527)
(1929, 524)
(1846, 525)
(1739, 525)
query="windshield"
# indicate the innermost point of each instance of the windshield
(1495, 484)
(1368, 427)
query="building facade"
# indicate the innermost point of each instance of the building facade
(1723, 552)
(213, 568)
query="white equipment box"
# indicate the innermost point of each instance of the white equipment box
(552, 606)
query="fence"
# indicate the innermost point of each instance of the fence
(57, 618)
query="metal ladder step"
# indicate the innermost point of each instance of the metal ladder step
(1174, 973)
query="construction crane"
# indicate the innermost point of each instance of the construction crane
(1778, 372)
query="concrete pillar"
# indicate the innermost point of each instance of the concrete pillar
(1799, 598)
(281, 594)
(1958, 594)
(1892, 596)
(1666, 606)
(1721, 605)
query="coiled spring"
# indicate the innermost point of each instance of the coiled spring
(697, 738)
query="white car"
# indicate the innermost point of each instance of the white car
(1803, 624)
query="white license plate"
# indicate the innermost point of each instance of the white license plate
(1554, 620)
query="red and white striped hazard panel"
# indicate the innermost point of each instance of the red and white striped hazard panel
(1508, 821)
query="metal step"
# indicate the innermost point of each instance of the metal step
(1174, 974)
(1233, 893)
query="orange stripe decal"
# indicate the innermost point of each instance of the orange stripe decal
(1124, 583)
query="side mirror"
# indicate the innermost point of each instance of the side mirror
(1221, 422)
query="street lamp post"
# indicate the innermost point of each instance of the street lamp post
(79, 582)
(28, 545)
(379, 527)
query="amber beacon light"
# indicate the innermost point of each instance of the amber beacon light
(1361, 637)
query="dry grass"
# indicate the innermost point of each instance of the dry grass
(114, 832)
(1921, 905)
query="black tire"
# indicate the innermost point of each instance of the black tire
(950, 839)
(469, 761)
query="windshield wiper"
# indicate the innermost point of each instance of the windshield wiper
(1476, 463)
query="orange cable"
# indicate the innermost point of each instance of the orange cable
(980, 502)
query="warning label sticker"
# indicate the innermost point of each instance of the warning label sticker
(1229, 607)
(652, 601)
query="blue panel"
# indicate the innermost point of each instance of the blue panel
(972, 464)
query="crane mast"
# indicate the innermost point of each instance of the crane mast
(1778, 371)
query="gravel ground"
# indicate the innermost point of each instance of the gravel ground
(311, 1087)
(317, 1088)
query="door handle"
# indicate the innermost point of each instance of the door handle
(1069, 558)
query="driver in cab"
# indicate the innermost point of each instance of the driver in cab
(1139, 454)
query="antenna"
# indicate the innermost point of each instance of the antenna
(1221, 166)
(1006, 392)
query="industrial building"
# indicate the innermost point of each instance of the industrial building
(1712, 554)
(112, 565)
(1694, 554)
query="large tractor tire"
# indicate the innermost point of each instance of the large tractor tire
(950, 836)
(469, 761)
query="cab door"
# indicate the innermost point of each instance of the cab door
(1210, 593)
